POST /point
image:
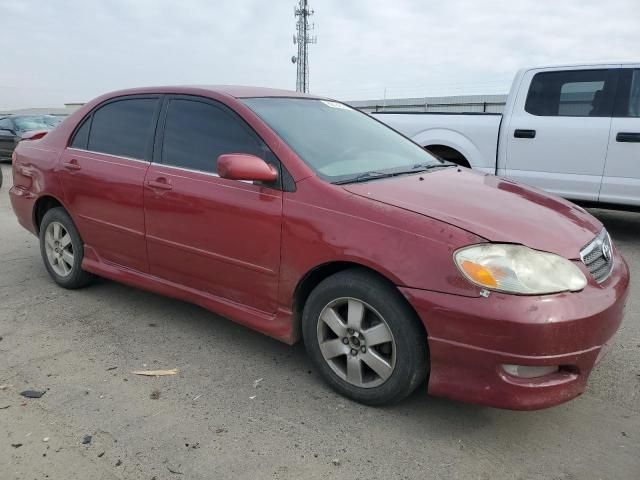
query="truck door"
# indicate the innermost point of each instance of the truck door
(559, 131)
(621, 179)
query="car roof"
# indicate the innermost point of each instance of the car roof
(236, 91)
(240, 91)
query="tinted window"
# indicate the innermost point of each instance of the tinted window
(82, 135)
(634, 95)
(196, 133)
(629, 94)
(577, 93)
(123, 127)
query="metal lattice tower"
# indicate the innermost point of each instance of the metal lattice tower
(303, 38)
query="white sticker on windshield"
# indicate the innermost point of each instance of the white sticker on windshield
(335, 105)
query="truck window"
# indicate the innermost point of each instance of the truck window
(628, 97)
(573, 93)
(634, 97)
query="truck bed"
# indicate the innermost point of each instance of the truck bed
(473, 135)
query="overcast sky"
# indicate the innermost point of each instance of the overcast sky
(72, 50)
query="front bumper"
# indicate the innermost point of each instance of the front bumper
(470, 338)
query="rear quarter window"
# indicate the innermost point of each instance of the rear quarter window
(81, 136)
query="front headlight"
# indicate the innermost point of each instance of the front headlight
(518, 269)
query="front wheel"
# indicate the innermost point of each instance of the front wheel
(62, 249)
(363, 337)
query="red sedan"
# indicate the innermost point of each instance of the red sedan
(299, 217)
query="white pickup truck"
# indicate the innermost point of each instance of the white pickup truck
(573, 130)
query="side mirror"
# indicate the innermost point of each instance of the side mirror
(242, 166)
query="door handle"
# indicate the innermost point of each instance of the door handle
(72, 165)
(630, 137)
(159, 184)
(520, 133)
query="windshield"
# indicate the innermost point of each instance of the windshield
(338, 142)
(36, 122)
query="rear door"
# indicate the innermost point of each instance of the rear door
(559, 131)
(217, 236)
(621, 179)
(102, 173)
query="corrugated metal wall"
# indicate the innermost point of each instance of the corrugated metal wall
(451, 104)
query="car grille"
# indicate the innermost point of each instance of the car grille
(598, 256)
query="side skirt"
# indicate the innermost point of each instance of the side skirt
(279, 325)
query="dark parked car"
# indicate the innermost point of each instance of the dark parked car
(301, 217)
(13, 128)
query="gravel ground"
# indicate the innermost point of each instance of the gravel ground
(246, 406)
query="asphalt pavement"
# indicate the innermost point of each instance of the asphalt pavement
(244, 406)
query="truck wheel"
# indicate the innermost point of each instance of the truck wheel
(364, 339)
(62, 249)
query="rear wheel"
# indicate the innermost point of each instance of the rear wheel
(62, 249)
(364, 338)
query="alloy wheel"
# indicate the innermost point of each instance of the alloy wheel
(356, 342)
(59, 249)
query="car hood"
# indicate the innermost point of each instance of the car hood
(491, 207)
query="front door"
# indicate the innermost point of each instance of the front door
(621, 179)
(217, 236)
(559, 130)
(102, 174)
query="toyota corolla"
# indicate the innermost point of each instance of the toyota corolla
(303, 218)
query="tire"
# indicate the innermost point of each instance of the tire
(379, 362)
(62, 249)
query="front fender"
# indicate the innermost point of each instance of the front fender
(407, 248)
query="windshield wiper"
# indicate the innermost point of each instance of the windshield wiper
(365, 176)
(420, 167)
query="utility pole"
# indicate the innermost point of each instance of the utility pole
(302, 12)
